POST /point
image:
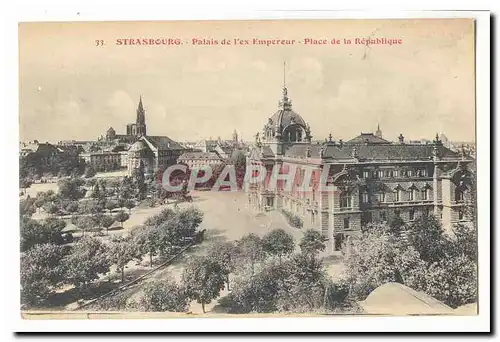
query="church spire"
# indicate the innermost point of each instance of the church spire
(378, 133)
(140, 121)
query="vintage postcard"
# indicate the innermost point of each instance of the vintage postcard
(260, 168)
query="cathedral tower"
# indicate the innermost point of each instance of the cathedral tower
(140, 122)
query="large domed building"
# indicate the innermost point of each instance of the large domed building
(369, 178)
(285, 127)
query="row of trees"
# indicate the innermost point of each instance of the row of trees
(47, 265)
(267, 273)
(419, 255)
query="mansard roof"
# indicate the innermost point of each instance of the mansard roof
(371, 152)
(200, 155)
(367, 138)
(163, 142)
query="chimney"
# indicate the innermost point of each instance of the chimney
(401, 138)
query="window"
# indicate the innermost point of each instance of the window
(399, 195)
(388, 173)
(409, 173)
(380, 174)
(422, 173)
(396, 173)
(383, 216)
(459, 195)
(412, 214)
(364, 197)
(366, 174)
(411, 195)
(460, 215)
(424, 195)
(346, 222)
(345, 200)
(381, 197)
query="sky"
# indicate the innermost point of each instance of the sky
(72, 89)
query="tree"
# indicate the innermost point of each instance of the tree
(51, 208)
(305, 286)
(453, 281)
(163, 295)
(24, 183)
(88, 258)
(225, 254)
(138, 180)
(89, 172)
(396, 226)
(278, 242)
(72, 207)
(71, 189)
(85, 223)
(34, 232)
(129, 204)
(121, 251)
(372, 262)
(121, 217)
(26, 207)
(426, 236)
(251, 250)
(96, 191)
(104, 221)
(126, 188)
(203, 280)
(41, 272)
(259, 292)
(145, 239)
(110, 205)
(312, 242)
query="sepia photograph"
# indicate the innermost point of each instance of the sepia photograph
(248, 168)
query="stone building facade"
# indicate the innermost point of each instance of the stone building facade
(365, 180)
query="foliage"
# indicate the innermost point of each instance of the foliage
(312, 242)
(71, 189)
(120, 252)
(26, 207)
(85, 223)
(24, 183)
(292, 219)
(397, 225)
(110, 205)
(51, 162)
(225, 254)
(203, 280)
(453, 281)
(88, 258)
(121, 217)
(40, 272)
(146, 241)
(89, 172)
(251, 251)
(278, 242)
(34, 232)
(296, 284)
(426, 236)
(163, 295)
(442, 266)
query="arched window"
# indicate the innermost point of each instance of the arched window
(459, 194)
(345, 199)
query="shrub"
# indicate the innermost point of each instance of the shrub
(292, 219)
(163, 295)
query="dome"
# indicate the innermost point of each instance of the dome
(287, 117)
(139, 146)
